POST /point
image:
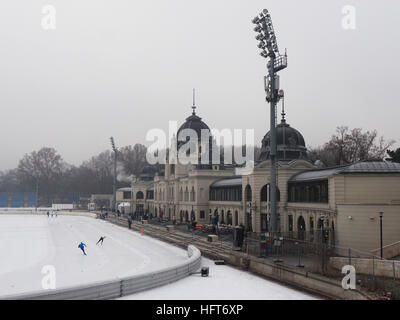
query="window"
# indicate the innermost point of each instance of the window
(149, 194)
(202, 214)
(290, 222)
(248, 193)
(127, 195)
(264, 193)
(312, 191)
(231, 193)
(139, 195)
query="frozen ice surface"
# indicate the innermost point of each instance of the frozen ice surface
(29, 242)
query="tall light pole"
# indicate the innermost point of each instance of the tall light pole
(115, 175)
(381, 232)
(37, 192)
(276, 62)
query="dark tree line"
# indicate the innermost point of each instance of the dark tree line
(59, 181)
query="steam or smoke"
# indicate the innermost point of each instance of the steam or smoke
(122, 176)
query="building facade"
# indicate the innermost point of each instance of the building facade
(344, 202)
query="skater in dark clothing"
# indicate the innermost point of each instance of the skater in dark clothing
(82, 247)
(48, 214)
(101, 240)
(129, 223)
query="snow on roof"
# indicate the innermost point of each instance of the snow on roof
(124, 189)
(228, 182)
(359, 167)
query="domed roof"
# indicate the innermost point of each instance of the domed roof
(147, 173)
(193, 122)
(290, 143)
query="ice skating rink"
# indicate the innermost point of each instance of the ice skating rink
(30, 242)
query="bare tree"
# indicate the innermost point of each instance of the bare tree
(45, 167)
(349, 146)
(133, 159)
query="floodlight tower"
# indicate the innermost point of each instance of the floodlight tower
(276, 62)
(115, 174)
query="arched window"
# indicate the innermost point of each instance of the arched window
(229, 217)
(236, 218)
(181, 195)
(248, 195)
(192, 194)
(301, 228)
(186, 194)
(278, 193)
(264, 193)
(139, 195)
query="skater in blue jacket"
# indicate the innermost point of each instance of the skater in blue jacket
(82, 247)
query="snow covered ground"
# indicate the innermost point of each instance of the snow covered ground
(223, 283)
(29, 242)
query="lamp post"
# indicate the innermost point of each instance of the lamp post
(277, 62)
(37, 193)
(381, 232)
(115, 174)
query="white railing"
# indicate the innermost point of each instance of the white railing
(121, 287)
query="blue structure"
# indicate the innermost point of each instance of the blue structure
(3, 200)
(17, 199)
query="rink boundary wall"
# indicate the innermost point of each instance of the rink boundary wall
(121, 287)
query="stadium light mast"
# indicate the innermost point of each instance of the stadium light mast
(114, 202)
(276, 62)
(36, 192)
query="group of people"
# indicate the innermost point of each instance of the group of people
(52, 213)
(83, 245)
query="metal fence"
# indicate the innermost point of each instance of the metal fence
(378, 277)
(313, 252)
(121, 287)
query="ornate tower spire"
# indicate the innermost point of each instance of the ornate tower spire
(194, 102)
(283, 120)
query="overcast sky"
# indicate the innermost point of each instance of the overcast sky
(122, 67)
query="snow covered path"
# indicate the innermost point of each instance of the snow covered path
(29, 242)
(223, 283)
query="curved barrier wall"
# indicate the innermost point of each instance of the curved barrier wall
(121, 287)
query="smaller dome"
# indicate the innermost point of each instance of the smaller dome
(290, 143)
(148, 172)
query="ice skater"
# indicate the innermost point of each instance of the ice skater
(100, 240)
(82, 247)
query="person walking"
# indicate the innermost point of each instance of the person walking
(82, 247)
(129, 223)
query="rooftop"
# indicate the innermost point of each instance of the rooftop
(359, 167)
(227, 182)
